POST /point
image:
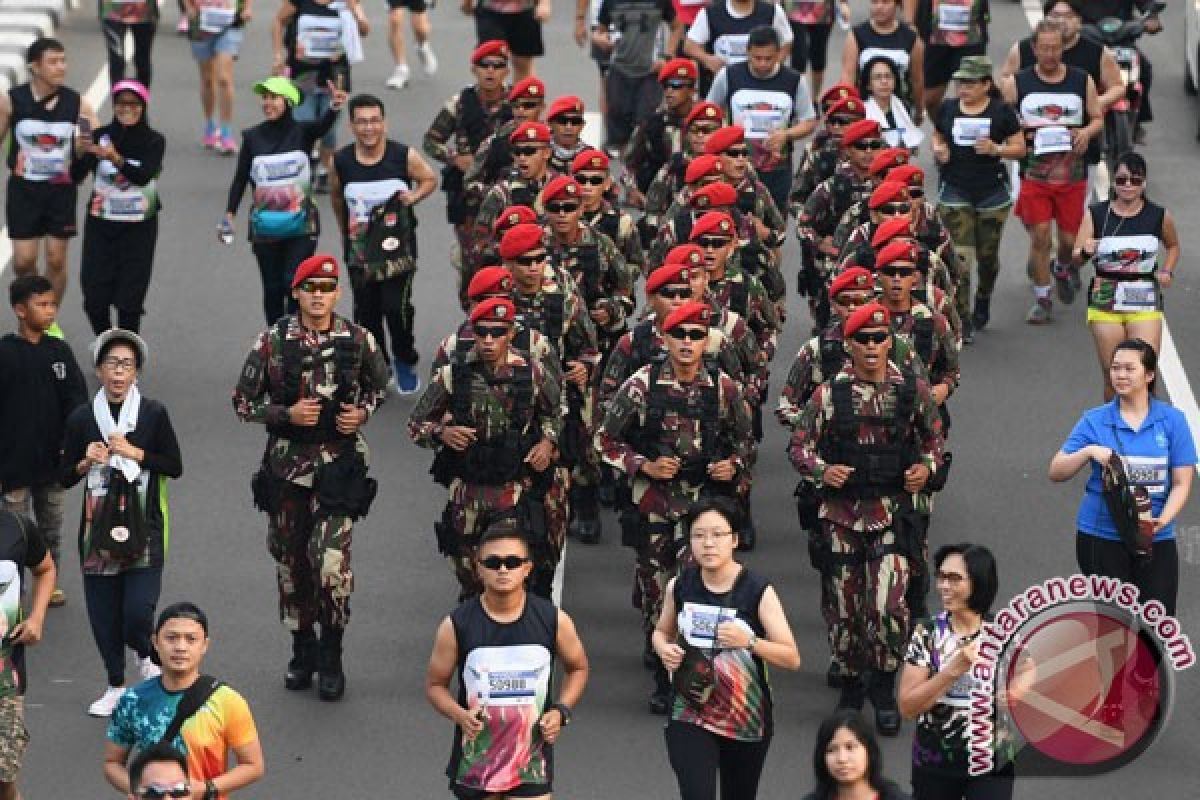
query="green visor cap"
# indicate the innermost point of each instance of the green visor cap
(277, 84)
(974, 67)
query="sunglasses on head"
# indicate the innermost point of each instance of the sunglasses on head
(869, 144)
(712, 242)
(590, 180)
(529, 259)
(312, 286)
(677, 84)
(895, 208)
(508, 562)
(562, 208)
(674, 292)
(897, 272)
(493, 64)
(482, 331)
(694, 334)
(156, 792)
(526, 150)
(871, 337)
(565, 120)
(1129, 180)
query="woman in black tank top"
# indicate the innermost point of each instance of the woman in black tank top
(884, 33)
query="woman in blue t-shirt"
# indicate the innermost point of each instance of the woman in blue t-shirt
(1156, 444)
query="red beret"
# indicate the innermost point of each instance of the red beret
(839, 91)
(666, 275)
(563, 186)
(564, 105)
(492, 47)
(315, 266)
(511, 217)
(849, 105)
(520, 240)
(890, 229)
(872, 315)
(678, 68)
(590, 159)
(530, 132)
(692, 311)
(897, 250)
(854, 278)
(490, 280)
(714, 195)
(709, 112)
(886, 192)
(862, 129)
(888, 158)
(530, 87)
(713, 222)
(495, 309)
(703, 167)
(685, 255)
(724, 138)
(908, 174)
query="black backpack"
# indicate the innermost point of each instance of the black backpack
(119, 523)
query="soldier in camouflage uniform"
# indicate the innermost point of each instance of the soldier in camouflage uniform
(590, 171)
(656, 138)
(840, 107)
(489, 253)
(675, 224)
(860, 214)
(313, 378)
(677, 431)
(493, 415)
(869, 440)
(467, 118)
(566, 120)
(753, 198)
(493, 157)
(521, 187)
(701, 122)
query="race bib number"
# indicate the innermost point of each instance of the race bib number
(966, 131)
(318, 38)
(43, 168)
(1125, 56)
(1052, 139)
(760, 124)
(216, 20)
(130, 204)
(732, 47)
(954, 19)
(1133, 296)
(507, 676)
(1149, 472)
(698, 623)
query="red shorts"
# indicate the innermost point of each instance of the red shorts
(1064, 203)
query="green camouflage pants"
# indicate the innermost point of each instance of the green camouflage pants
(658, 560)
(976, 234)
(312, 557)
(863, 600)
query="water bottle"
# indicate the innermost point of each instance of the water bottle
(225, 231)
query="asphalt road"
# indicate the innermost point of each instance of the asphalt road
(1022, 389)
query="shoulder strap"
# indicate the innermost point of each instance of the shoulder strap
(923, 339)
(292, 360)
(192, 701)
(842, 393)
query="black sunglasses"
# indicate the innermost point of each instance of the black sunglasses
(705, 129)
(870, 144)
(1129, 180)
(867, 337)
(840, 120)
(527, 104)
(678, 84)
(508, 562)
(712, 242)
(313, 286)
(562, 208)
(695, 334)
(676, 293)
(156, 792)
(738, 152)
(565, 120)
(493, 331)
(590, 180)
(493, 64)
(529, 260)
(526, 151)
(897, 272)
(895, 208)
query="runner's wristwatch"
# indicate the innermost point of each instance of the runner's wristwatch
(565, 711)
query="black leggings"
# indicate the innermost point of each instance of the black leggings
(934, 785)
(390, 301)
(121, 610)
(810, 43)
(143, 41)
(117, 260)
(697, 756)
(277, 262)
(1159, 580)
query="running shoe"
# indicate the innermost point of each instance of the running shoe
(1064, 287)
(104, 705)
(1039, 312)
(228, 145)
(399, 77)
(212, 135)
(429, 61)
(407, 380)
(968, 331)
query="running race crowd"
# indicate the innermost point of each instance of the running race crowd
(559, 393)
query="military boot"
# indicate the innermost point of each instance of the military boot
(660, 698)
(883, 697)
(304, 661)
(331, 681)
(853, 695)
(586, 513)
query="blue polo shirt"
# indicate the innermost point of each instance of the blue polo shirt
(1162, 443)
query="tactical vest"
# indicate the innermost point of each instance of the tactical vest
(922, 335)
(653, 439)
(833, 357)
(520, 194)
(552, 323)
(653, 155)
(608, 222)
(586, 270)
(347, 358)
(878, 467)
(473, 117)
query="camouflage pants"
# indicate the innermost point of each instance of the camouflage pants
(976, 234)
(461, 260)
(864, 605)
(658, 560)
(312, 556)
(557, 508)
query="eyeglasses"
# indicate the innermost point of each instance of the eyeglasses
(114, 363)
(709, 535)
(526, 105)
(493, 64)
(156, 792)
(950, 577)
(738, 152)
(677, 293)
(713, 242)
(867, 337)
(508, 562)
(565, 120)
(526, 151)
(590, 180)
(692, 334)
(490, 331)
(529, 259)
(894, 208)
(1129, 180)
(897, 272)
(703, 129)
(312, 286)
(675, 84)
(562, 208)
(870, 144)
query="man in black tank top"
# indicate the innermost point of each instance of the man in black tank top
(50, 124)
(718, 35)
(502, 647)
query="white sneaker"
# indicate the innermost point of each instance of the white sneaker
(107, 702)
(399, 77)
(148, 669)
(429, 61)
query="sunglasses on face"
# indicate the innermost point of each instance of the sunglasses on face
(895, 208)
(870, 144)
(489, 331)
(674, 293)
(712, 242)
(1129, 180)
(694, 334)
(526, 151)
(526, 105)
(898, 272)
(493, 64)
(156, 792)
(840, 120)
(871, 337)
(562, 208)
(313, 286)
(705, 130)
(591, 180)
(568, 120)
(852, 301)
(738, 152)
(529, 259)
(679, 84)
(508, 562)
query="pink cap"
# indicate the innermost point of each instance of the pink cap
(129, 85)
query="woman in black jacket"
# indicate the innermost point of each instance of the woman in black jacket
(121, 433)
(122, 222)
(283, 217)
(847, 762)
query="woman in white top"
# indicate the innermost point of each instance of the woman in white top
(877, 85)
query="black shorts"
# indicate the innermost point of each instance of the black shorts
(415, 6)
(34, 209)
(941, 61)
(522, 32)
(524, 790)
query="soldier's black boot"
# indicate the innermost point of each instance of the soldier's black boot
(587, 512)
(834, 677)
(883, 697)
(304, 661)
(660, 698)
(331, 681)
(854, 693)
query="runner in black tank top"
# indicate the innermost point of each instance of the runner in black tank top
(885, 34)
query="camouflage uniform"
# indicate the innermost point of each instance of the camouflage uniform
(651, 145)
(511, 407)
(310, 544)
(661, 194)
(459, 128)
(561, 157)
(818, 218)
(512, 190)
(493, 159)
(817, 163)
(744, 294)
(934, 234)
(620, 227)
